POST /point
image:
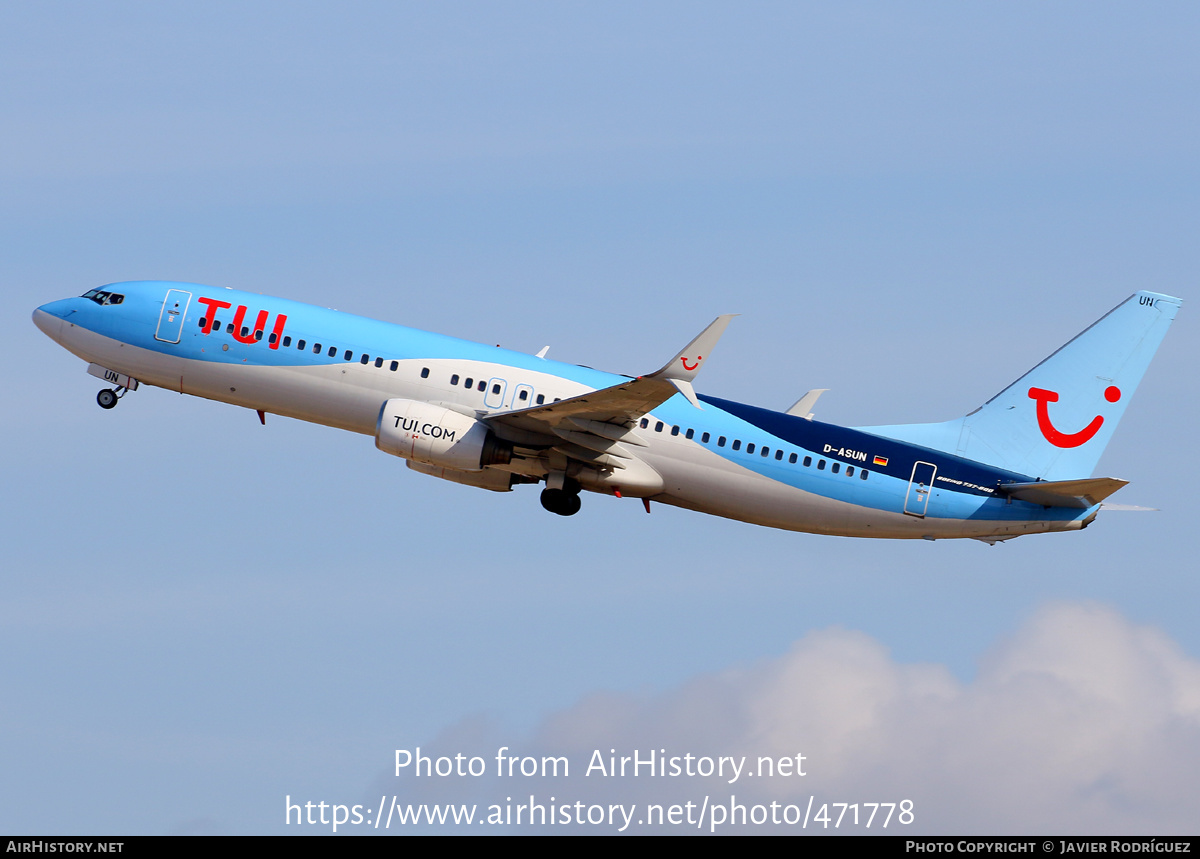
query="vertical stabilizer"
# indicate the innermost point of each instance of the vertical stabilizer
(1055, 421)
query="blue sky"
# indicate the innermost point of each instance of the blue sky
(910, 207)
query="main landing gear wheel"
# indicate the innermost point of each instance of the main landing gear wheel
(561, 502)
(107, 398)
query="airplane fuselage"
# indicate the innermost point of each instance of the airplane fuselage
(723, 458)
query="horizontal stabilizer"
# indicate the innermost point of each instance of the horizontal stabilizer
(1064, 493)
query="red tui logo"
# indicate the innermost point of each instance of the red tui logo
(1061, 439)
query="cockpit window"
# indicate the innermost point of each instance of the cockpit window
(103, 297)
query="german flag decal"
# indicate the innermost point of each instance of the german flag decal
(881, 460)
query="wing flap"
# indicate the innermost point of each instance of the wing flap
(594, 442)
(594, 457)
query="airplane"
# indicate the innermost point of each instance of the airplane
(488, 417)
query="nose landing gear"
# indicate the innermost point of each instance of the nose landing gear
(108, 397)
(121, 383)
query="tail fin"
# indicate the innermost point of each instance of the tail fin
(1054, 422)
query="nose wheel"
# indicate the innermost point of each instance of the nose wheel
(108, 397)
(561, 501)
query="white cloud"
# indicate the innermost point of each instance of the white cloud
(1081, 722)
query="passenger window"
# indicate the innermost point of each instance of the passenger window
(737, 444)
(779, 456)
(454, 379)
(836, 467)
(721, 441)
(541, 398)
(300, 344)
(272, 338)
(395, 366)
(862, 475)
(495, 389)
(332, 351)
(470, 383)
(365, 359)
(675, 430)
(807, 461)
(378, 362)
(645, 423)
(316, 348)
(849, 470)
(523, 396)
(200, 322)
(229, 328)
(349, 354)
(704, 438)
(658, 426)
(690, 433)
(258, 334)
(482, 385)
(821, 465)
(245, 331)
(287, 341)
(750, 447)
(766, 451)
(424, 372)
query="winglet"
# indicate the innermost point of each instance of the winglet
(803, 407)
(687, 390)
(684, 366)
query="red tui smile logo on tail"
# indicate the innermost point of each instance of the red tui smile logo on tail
(1061, 439)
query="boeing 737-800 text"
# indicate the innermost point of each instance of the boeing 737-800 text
(1020, 464)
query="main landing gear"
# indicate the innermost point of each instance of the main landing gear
(564, 502)
(108, 397)
(561, 501)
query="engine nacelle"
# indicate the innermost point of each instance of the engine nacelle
(438, 436)
(489, 478)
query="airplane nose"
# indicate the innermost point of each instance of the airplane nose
(49, 317)
(48, 322)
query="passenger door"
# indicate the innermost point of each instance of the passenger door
(170, 320)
